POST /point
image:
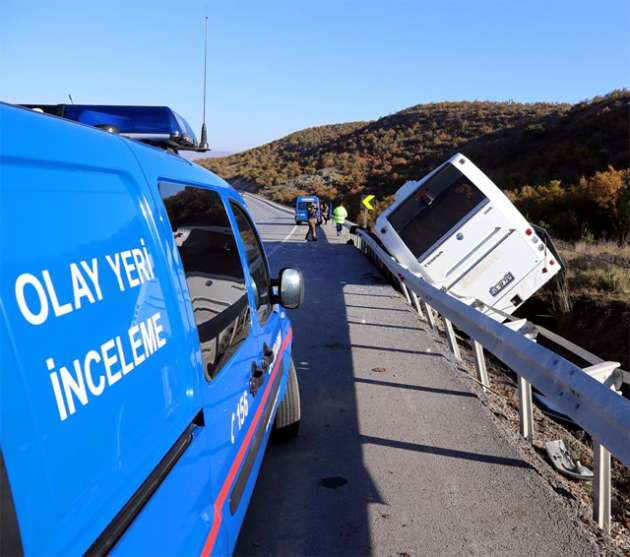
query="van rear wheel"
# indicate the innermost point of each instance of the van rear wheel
(288, 417)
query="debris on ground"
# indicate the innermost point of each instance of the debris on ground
(563, 461)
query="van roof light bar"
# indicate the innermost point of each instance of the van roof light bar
(157, 125)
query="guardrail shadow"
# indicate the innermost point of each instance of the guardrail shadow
(313, 492)
(449, 453)
(420, 388)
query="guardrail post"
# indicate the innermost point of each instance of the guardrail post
(416, 303)
(403, 287)
(452, 339)
(525, 409)
(480, 362)
(429, 313)
(601, 455)
(601, 485)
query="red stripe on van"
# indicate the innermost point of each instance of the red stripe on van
(229, 480)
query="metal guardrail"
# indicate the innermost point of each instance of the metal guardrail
(592, 404)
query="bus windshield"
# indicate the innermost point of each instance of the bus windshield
(435, 208)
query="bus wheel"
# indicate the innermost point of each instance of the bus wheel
(287, 422)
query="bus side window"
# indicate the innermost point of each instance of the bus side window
(214, 274)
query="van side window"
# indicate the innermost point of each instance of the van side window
(255, 261)
(214, 273)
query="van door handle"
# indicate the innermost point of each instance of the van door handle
(257, 378)
(268, 356)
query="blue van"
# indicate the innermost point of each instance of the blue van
(145, 356)
(301, 208)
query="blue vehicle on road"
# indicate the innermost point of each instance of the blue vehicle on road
(145, 354)
(301, 208)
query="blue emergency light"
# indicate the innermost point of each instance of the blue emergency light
(157, 125)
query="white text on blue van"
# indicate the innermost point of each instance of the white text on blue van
(104, 365)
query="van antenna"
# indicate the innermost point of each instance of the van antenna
(70, 97)
(203, 144)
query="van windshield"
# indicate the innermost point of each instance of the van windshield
(303, 205)
(434, 208)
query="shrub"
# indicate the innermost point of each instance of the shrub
(612, 280)
(596, 208)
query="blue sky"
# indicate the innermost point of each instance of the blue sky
(278, 66)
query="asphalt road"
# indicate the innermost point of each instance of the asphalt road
(396, 455)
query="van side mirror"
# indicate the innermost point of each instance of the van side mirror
(290, 288)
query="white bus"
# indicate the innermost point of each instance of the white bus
(457, 230)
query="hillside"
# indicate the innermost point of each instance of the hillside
(515, 144)
(566, 167)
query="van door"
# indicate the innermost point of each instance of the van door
(270, 339)
(229, 337)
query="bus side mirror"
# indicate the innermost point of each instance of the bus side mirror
(290, 288)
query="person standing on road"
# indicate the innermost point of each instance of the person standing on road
(311, 234)
(339, 215)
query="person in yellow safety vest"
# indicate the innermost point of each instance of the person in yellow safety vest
(339, 216)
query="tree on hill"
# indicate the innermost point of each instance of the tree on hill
(597, 206)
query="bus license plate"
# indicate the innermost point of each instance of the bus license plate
(507, 279)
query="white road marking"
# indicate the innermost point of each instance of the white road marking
(287, 237)
(282, 241)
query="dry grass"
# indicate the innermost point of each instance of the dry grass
(602, 249)
(610, 280)
(598, 268)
